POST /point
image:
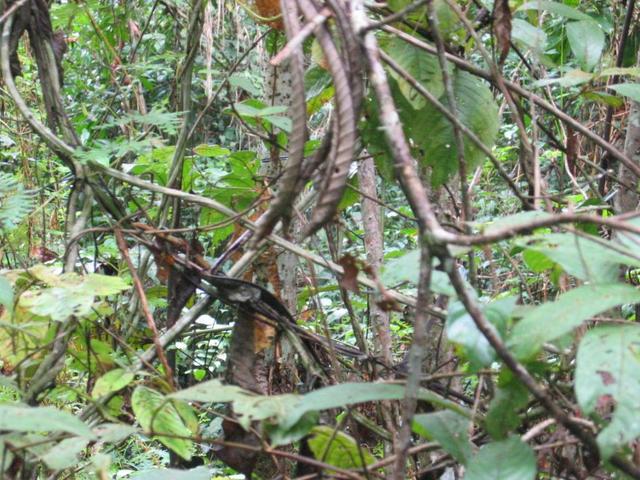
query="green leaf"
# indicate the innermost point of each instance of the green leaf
(6, 294)
(530, 36)
(70, 294)
(449, 429)
(424, 68)
(514, 221)
(288, 409)
(103, 285)
(41, 419)
(248, 407)
(244, 81)
(211, 151)
(506, 460)
(608, 368)
(503, 416)
(338, 449)
(556, 8)
(114, 432)
(112, 381)
(587, 41)
(604, 98)
(462, 330)
(157, 415)
(583, 257)
(283, 436)
(551, 320)
(571, 79)
(407, 269)
(212, 391)
(630, 90)
(65, 454)
(476, 109)
(199, 473)
(622, 71)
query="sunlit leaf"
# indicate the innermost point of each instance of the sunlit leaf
(338, 449)
(158, 416)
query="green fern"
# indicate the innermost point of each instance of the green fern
(15, 202)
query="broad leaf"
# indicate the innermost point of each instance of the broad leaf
(583, 257)
(476, 109)
(586, 41)
(424, 68)
(211, 151)
(462, 330)
(556, 8)
(114, 432)
(514, 221)
(199, 473)
(407, 269)
(41, 419)
(68, 294)
(530, 36)
(630, 90)
(157, 415)
(65, 454)
(608, 373)
(112, 381)
(338, 449)
(551, 320)
(503, 415)
(506, 460)
(570, 79)
(449, 429)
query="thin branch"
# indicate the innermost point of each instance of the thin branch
(144, 306)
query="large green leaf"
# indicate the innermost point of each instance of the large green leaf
(424, 68)
(583, 257)
(112, 381)
(532, 37)
(506, 460)
(41, 419)
(407, 269)
(199, 473)
(68, 294)
(503, 415)
(338, 449)
(247, 406)
(607, 373)
(449, 429)
(556, 8)
(289, 409)
(586, 41)
(551, 320)
(65, 454)
(631, 90)
(159, 416)
(476, 109)
(462, 330)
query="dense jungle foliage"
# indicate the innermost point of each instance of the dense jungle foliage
(349, 239)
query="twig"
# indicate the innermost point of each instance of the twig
(144, 305)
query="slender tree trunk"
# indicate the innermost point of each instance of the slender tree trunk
(627, 198)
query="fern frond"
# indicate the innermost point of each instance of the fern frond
(15, 202)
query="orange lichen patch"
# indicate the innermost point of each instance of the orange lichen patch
(270, 9)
